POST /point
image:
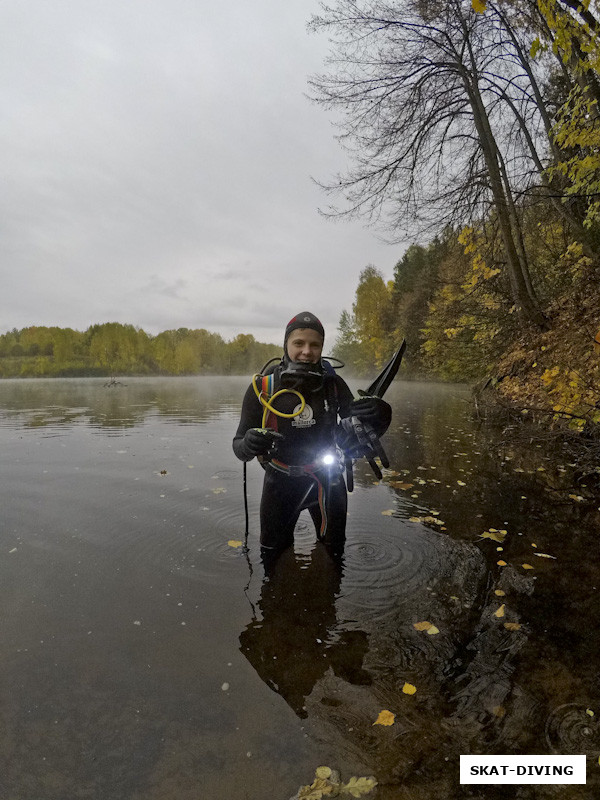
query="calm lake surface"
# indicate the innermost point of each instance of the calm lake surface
(144, 657)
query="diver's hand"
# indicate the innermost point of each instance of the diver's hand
(370, 409)
(259, 441)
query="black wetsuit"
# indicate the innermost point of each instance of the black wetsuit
(308, 484)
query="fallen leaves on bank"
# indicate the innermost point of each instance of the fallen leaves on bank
(327, 783)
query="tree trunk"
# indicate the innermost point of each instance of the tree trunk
(518, 273)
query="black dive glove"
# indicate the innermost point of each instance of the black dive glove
(258, 441)
(372, 410)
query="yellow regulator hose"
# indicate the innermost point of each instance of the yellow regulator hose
(265, 401)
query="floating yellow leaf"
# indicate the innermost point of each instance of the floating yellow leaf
(499, 592)
(501, 563)
(431, 631)
(497, 536)
(512, 626)
(500, 611)
(414, 519)
(408, 688)
(400, 485)
(388, 513)
(357, 787)
(589, 712)
(527, 566)
(544, 555)
(317, 790)
(220, 490)
(234, 543)
(461, 483)
(385, 718)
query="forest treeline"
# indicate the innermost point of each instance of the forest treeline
(476, 124)
(112, 348)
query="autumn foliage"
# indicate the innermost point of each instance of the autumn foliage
(505, 290)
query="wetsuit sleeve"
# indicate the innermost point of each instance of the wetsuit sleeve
(251, 418)
(344, 397)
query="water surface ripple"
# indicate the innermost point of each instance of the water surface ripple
(148, 655)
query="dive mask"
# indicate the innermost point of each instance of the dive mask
(301, 376)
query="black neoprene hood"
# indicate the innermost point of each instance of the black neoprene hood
(305, 319)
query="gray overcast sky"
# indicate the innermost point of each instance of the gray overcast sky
(156, 160)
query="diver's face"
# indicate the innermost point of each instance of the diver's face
(305, 345)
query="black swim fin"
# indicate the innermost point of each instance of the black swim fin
(381, 383)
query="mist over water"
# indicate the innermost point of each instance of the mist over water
(144, 655)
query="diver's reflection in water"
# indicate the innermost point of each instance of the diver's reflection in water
(296, 641)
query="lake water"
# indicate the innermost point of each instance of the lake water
(145, 657)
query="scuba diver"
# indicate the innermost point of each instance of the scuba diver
(301, 421)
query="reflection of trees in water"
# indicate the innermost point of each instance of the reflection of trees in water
(39, 402)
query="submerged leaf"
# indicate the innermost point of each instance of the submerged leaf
(422, 626)
(527, 566)
(327, 783)
(500, 611)
(234, 543)
(433, 520)
(429, 627)
(357, 787)
(512, 626)
(385, 718)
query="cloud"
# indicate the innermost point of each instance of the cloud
(156, 164)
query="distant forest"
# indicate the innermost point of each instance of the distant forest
(113, 349)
